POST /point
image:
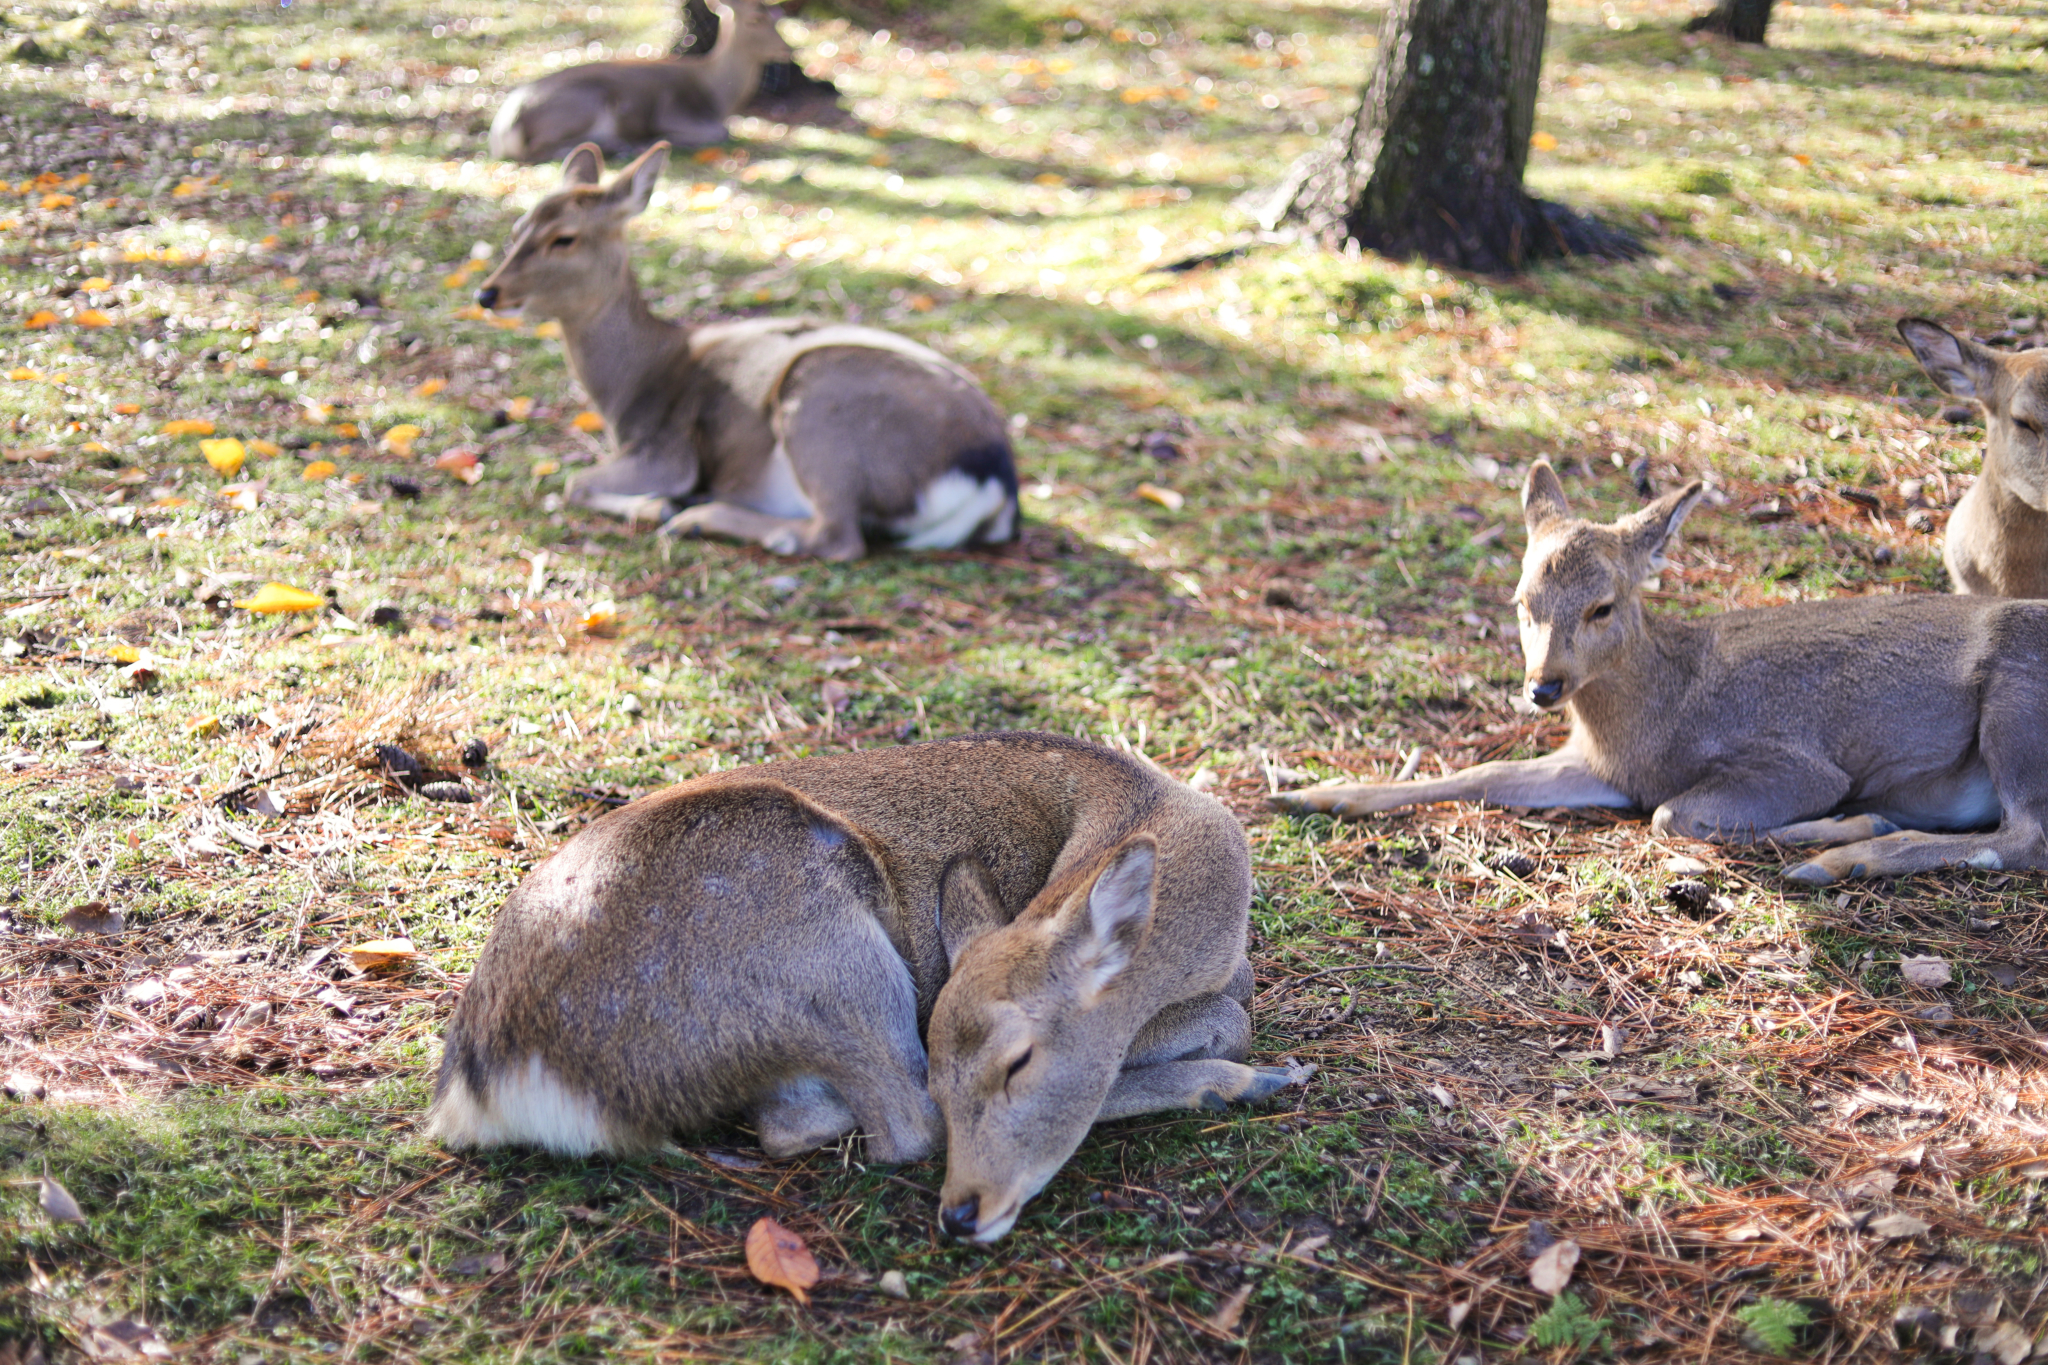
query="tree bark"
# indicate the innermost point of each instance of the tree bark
(1742, 20)
(1431, 163)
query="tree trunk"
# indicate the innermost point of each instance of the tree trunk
(1431, 163)
(1742, 20)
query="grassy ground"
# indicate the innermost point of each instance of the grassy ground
(1720, 1089)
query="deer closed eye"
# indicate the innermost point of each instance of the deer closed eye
(567, 239)
(1601, 612)
(2028, 425)
(1022, 1060)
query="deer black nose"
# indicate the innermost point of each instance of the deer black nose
(960, 1220)
(487, 297)
(1546, 693)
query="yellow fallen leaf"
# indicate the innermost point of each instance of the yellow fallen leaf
(124, 654)
(470, 312)
(306, 296)
(167, 502)
(429, 388)
(92, 317)
(456, 460)
(550, 328)
(40, 319)
(1049, 180)
(187, 188)
(24, 375)
(95, 447)
(243, 497)
(1165, 497)
(381, 952)
(1802, 158)
(921, 303)
(187, 426)
(776, 1256)
(127, 409)
(543, 468)
(602, 620)
(267, 449)
(1543, 142)
(318, 470)
(268, 242)
(97, 283)
(259, 363)
(225, 455)
(59, 201)
(347, 431)
(277, 597)
(399, 439)
(707, 155)
(205, 725)
(316, 411)
(519, 409)
(455, 279)
(587, 421)
(507, 324)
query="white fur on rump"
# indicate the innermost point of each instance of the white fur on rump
(949, 510)
(526, 1105)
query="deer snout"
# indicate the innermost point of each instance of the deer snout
(1546, 693)
(963, 1219)
(487, 297)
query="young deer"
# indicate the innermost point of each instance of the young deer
(623, 106)
(802, 436)
(768, 942)
(1832, 723)
(1997, 541)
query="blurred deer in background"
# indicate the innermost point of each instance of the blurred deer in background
(802, 437)
(623, 106)
(1997, 542)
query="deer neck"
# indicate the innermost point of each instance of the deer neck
(617, 346)
(1614, 714)
(729, 76)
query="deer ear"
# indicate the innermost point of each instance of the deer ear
(584, 166)
(1543, 497)
(1962, 368)
(1649, 531)
(634, 186)
(969, 904)
(1117, 914)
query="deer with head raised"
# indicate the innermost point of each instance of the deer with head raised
(1997, 541)
(622, 106)
(803, 437)
(1900, 733)
(989, 943)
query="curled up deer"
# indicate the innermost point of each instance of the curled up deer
(622, 106)
(1896, 733)
(1997, 541)
(805, 438)
(990, 942)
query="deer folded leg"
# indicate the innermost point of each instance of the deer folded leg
(1559, 779)
(1207, 1084)
(1750, 802)
(800, 1116)
(1205, 1026)
(1911, 850)
(782, 535)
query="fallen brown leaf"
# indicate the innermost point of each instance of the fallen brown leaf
(776, 1256)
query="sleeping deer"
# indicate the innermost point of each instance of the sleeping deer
(1878, 727)
(1997, 541)
(1063, 924)
(802, 437)
(623, 106)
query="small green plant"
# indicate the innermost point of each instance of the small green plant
(1773, 1326)
(1568, 1323)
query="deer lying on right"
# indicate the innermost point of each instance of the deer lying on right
(626, 105)
(1876, 727)
(805, 438)
(1997, 540)
(770, 942)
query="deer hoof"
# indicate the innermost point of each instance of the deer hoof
(1813, 874)
(1212, 1102)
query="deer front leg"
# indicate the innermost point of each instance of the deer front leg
(1559, 779)
(1754, 801)
(782, 535)
(1188, 1057)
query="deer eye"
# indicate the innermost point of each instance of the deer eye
(2032, 428)
(567, 239)
(1023, 1059)
(1601, 612)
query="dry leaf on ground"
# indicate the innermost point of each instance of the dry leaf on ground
(381, 952)
(1227, 1313)
(58, 1203)
(93, 917)
(776, 1256)
(1926, 973)
(277, 597)
(1896, 1225)
(1551, 1271)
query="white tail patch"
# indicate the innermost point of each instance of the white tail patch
(950, 509)
(508, 139)
(527, 1105)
